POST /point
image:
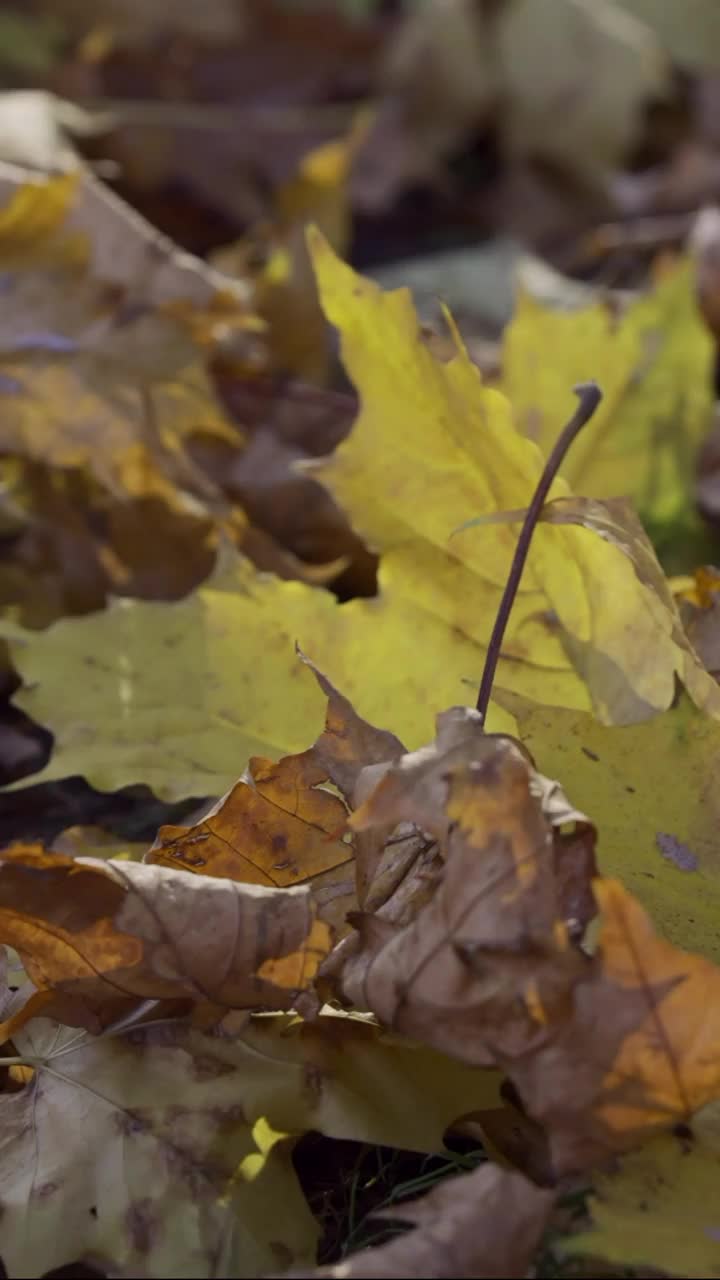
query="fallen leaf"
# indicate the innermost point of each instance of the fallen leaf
(475, 958)
(283, 423)
(453, 438)
(105, 932)
(107, 321)
(653, 361)
(211, 714)
(636, 1054)
(603, 1050)
(643, 784)
(141, 376)
(191, 1162)
(485, 1223)
(71, 545)
(437, 600)
(177, 1175)
(285, 290)
(281, 824)
(657, 1209)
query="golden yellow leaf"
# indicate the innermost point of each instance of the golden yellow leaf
(657, 1208)
(278, 828)
(652, 793)
(432, 448)
(654, 363)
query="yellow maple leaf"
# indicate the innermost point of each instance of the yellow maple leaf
(654, 363)
(432, 448)
(656, 1207)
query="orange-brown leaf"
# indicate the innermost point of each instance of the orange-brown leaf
(282, 825)
(106, 931)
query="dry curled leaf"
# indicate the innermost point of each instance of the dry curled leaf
(488, 936)
(604, 1049)
(485, 1223)
(281, 824)
(107, 931)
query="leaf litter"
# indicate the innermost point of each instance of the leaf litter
(507, 941)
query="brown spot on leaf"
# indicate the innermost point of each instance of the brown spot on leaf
(228, 1116)
(205, 1067)
(590, 754)
(44, 1190)
(130, 1123)
(281, 1252)
(142, 1225)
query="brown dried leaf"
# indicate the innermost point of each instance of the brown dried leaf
(638, 1052)
(281, 824)
(603, 1050)
(103, 931)
(487, 942)
(485, 1223)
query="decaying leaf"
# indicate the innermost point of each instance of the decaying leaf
(636, 1053)
(107, 321)
(603, 1049)
(188, 1162)
(138, 1154)
(461, 969)
(282, 825)
(74, 353)
(486, 1223)
(106, 932)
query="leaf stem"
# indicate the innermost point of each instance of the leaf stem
(589, 395)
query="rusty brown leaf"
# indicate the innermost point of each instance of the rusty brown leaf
(283, 824)
(485, 1223)
(105, 931)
